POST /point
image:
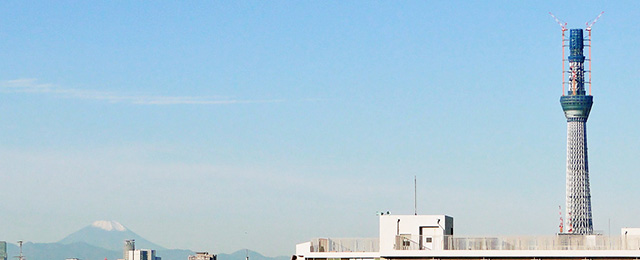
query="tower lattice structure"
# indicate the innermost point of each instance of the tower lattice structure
(576, 105)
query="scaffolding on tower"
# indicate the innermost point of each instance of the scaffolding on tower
(563, 27)
(588, 29)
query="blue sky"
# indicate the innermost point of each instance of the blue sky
(224, 125)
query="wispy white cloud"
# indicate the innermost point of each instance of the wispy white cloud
(35, 87)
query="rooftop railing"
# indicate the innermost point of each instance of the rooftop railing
(409, 242)
(557, 242)
(345, 245)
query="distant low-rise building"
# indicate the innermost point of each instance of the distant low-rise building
(129, 245)
(143, 254)
(203, 256)
(131, 253)
(3, 250)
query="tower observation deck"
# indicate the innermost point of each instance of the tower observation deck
(576, 105)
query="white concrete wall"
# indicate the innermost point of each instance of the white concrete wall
(303, 249)
(392, 225)
(630, 231)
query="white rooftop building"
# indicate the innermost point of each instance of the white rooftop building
(412, 237)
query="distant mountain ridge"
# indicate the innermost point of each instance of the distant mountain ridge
(109, 235)
(54, 251)
(57, 251)
(105, 239)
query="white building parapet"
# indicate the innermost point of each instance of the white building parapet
(421, 237)
(345, 245)
(557, 242)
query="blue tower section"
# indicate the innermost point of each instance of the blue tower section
(577, 106)
(576, 61)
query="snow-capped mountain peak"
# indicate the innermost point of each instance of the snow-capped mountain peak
(109, 225)
(109, 235)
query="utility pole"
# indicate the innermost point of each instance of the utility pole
(20, 257)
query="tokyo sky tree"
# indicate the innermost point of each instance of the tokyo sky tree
(577, 105)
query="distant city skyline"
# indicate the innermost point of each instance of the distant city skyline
(227, 125)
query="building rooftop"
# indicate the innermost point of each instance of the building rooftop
(431, 236)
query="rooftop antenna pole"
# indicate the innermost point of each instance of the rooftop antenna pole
(415, 195)
(20, 257)
(247, 249)
(564, 29)
(588, 29)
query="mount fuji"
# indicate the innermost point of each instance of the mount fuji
(105, 239)
(108, 235)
